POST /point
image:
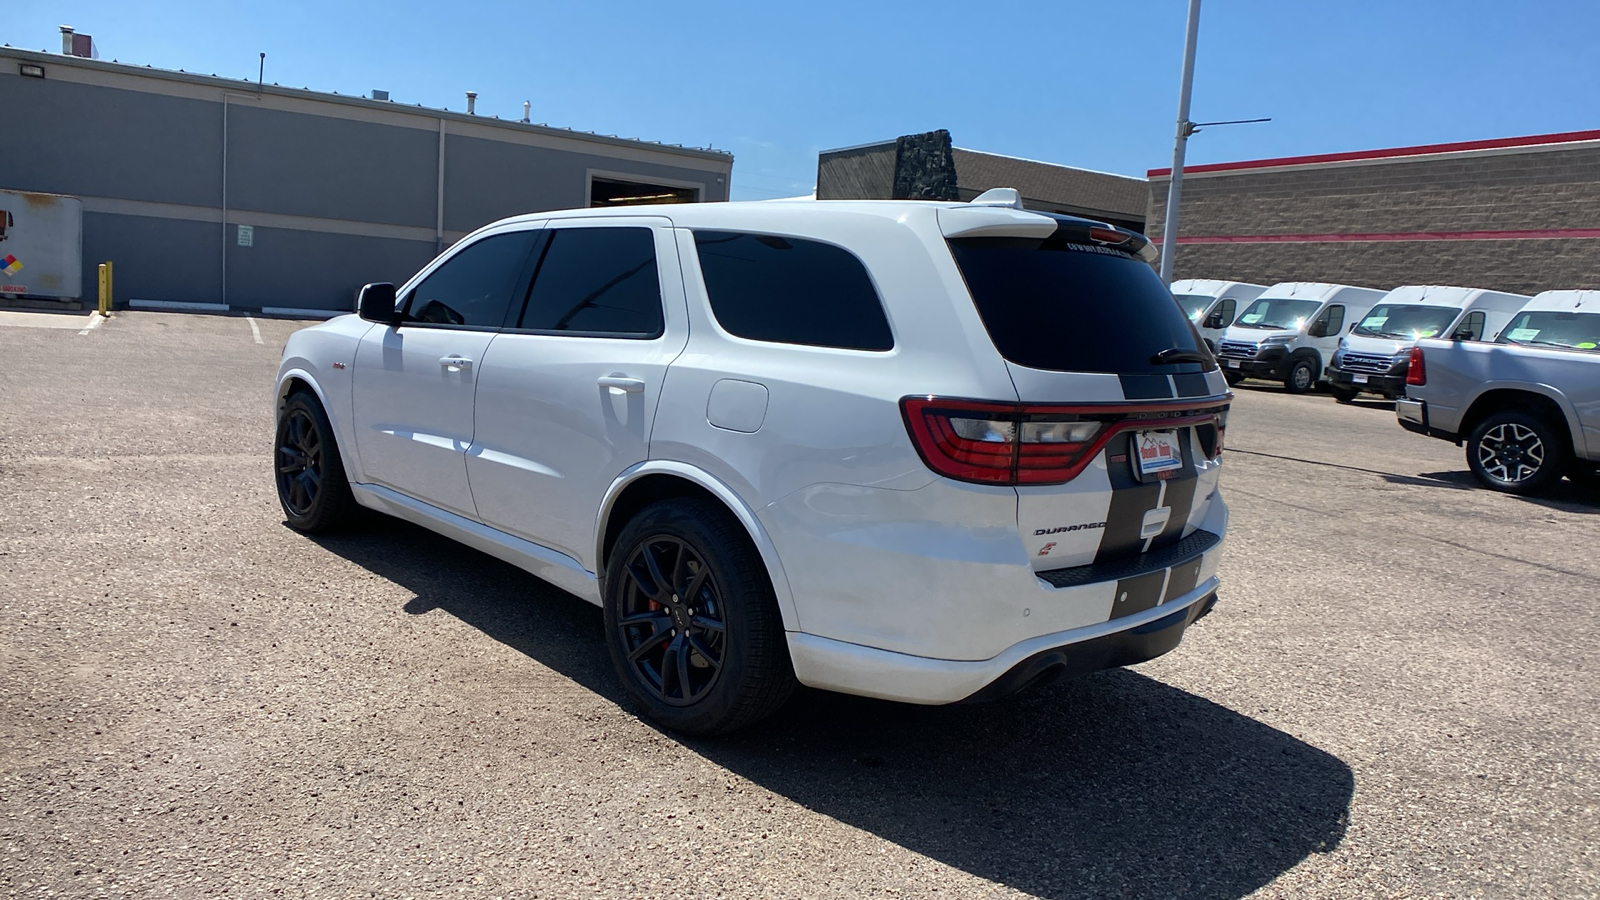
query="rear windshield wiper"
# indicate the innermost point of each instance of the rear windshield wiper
(1178, 355)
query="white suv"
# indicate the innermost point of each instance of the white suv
(930, 452)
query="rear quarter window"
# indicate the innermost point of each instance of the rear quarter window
(791, 291)
(1051, 304)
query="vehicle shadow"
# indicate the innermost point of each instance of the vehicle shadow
(1566, 495)
(1116, 785)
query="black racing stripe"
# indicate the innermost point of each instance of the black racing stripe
(1184, 577)
(1130, 500)
(1146, 387)
(1137, 594)
(1181, 488)
(1192, 384)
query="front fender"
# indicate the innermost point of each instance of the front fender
(729, 498)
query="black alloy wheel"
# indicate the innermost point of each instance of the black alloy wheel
(1301, 377)
(672, 623)
(1517, 453)
(312, 487)
(691, 619)
(299, 463)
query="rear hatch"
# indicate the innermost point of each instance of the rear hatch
(1118, 429)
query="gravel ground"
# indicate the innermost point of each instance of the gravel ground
(1395, 697)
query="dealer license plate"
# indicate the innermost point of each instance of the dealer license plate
(1233, 364)
(1156, 451)
(1359, 379)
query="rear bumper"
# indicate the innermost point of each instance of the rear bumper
(853, 669)
(1413, 416)
(1392, 385)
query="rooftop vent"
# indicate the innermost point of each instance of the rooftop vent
(74, 44)
(472, 103)
(380, 95)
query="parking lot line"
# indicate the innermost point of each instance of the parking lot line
(94, 322)
(255, 331)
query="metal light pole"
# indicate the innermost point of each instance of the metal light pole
(1169, 228)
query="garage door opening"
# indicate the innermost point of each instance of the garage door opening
(611, 192)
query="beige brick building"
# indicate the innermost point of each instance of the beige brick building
(1516, 214)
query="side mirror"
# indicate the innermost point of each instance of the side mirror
(376, 304)
(1462, 334)
(1213, 321)
(1317, 329)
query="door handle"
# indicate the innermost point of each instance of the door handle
(619, 383)
(455, 362)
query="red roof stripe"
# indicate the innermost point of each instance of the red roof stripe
(1536, 234)
(1495, 144)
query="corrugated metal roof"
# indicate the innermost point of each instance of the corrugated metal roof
(1050, 183)
(235, 84)
(865, 172)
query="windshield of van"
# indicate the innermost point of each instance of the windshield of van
(1406, 321)
(1573, 331)
(1278, 312)
(1194, 305)
(1052, 304)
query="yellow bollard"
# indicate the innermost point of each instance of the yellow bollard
(105, 288)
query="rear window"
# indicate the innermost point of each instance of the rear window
(1049, 304)
(791, 291)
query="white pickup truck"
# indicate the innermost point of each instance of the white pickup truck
(1527, 406)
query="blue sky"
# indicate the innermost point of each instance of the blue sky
(1080, 83)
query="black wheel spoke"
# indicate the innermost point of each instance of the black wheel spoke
(692, 590)
(654, 567)
(682, 659)
(670, 669)
(713, 625)
(704, 652)
(649, 590)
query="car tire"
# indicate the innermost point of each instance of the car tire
(1232, 377)
(691, 620)
(312, 486)
(1301, 377)
(1343, 394)
(1517, 453)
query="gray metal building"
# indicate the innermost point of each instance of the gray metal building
(210, 190)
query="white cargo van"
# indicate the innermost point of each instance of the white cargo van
(1288, 332)
(1213, 305)
(1374, 355)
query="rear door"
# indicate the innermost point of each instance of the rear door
(414, 384)
(1090, 335)
(568, 393)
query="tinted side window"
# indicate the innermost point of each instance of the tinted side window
(1227, 309)
(597, 281)
(1473, 323)
(791, 291)
(1335, 316)
(473, 288)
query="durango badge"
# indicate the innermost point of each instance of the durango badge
(1060, 528)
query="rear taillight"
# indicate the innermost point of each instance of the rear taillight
(997, 443)
(1013, 443)
(1416, 373)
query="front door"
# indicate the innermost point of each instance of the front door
(414, 384)
(566, 398)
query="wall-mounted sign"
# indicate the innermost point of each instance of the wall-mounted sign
(247, 235)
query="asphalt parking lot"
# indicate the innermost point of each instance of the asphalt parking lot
(1395, 697)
